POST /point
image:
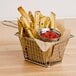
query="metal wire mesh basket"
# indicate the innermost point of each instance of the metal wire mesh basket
(33, 53)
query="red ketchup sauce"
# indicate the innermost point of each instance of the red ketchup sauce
(50, 35)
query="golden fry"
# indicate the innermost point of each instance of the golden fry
(32, 19)
(24, 14)
(19, 25)
(31, 16)
(43, 22)
(53, 17)
(21, 33)
(38, 15)
(48, 22)
(26, 26)
(25, 21)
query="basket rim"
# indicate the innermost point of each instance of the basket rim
(70, 36)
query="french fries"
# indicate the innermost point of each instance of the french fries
(33, 23)
(19, 25)
(20, 28)
(25, 22)
(24, 14)
(43, 22)
(53, 17)
(38, 15)
(32, 19)
(21, 33)
(48, 22)
(31, 16)
(25, 26)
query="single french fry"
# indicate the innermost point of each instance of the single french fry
(38, 15)
(34, 32)
(31, 16)
(48, 22)
(43, 22)
(53, 17)
(19, 25)
(26, 26)
(21, 33)
(23, 13)
(25, 21)
(21, 28)
(32, 19)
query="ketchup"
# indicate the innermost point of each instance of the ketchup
(50, 35)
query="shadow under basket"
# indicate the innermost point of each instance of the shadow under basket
(33, 53)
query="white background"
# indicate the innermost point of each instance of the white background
(63, 8)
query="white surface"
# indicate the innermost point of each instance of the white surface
(63, 8)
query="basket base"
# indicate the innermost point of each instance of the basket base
(46, 65)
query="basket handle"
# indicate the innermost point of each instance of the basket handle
(71, 36)
(17, 34)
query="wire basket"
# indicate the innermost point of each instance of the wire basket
(33, 53)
